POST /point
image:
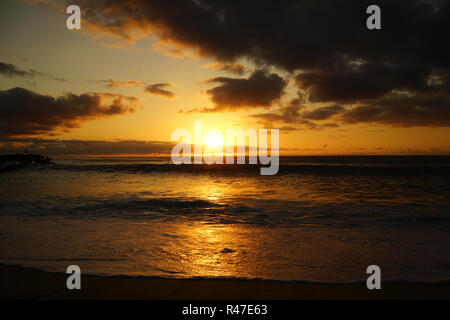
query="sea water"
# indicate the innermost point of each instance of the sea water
(319, 219)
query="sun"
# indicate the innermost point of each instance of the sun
(213, 138)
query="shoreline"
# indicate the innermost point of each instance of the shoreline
(19, 283)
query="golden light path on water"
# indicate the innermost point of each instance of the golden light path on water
(114, 218)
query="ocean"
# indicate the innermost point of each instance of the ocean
(321, 218)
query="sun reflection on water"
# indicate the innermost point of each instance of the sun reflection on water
(210, 250)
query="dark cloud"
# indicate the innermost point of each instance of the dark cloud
(55, 147)
(322, 113)
(296, 34)
(401, 110)
(326, 43)
(288, 114)
(25, 112)
(291, 118)
(261, 89)
(10, 70)
(297, 116)
(112, 83)
(236, 68)
(352, 81)
(159, 89)
(398, 110)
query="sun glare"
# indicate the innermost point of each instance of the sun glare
(213, 138)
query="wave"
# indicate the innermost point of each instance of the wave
(175, 275)
(262, 212)
(246, 169)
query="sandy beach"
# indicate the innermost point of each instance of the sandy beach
(26, 283)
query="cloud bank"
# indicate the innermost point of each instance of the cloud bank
(25, 112)
(56, 147)
(325, 44)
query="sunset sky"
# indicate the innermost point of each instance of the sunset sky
(138, 70)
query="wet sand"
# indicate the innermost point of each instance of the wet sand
(26, 283)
